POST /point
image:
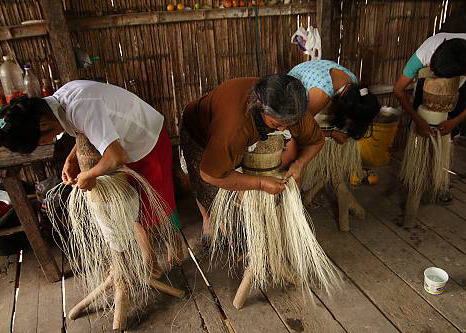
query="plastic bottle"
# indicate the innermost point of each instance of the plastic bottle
(11, 76)
(31, 83)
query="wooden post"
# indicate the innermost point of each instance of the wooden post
(243, 289)
(60, 39)
(28, 220)
(324, 25)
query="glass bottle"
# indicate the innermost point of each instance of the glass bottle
(11, 76)
(31, 83)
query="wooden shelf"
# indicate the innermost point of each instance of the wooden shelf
(8, 158)
(23, 31)
(11, 231)
(381, 89)
(101, 22)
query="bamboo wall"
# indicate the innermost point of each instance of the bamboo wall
(375, 39)
(170, 64)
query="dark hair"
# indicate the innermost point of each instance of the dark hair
(455, 23)
(449, 59)
(354, 113)
(20, 119)
(280, 96)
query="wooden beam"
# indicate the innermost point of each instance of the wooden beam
(60, 39)
(381, 89)
(7, 158)
(23, 31)
(11, 231)
(324, 25)
(89, 23)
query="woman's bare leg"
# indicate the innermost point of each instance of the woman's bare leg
(147, 253)
(205, 219)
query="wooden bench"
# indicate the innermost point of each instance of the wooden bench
(10, 166)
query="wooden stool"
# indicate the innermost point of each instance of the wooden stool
(440, 96)
(243, 289)
(121, 297)
(264, 160)
(88, 157)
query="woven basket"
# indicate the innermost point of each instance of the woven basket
(440, 94)
(266, 157)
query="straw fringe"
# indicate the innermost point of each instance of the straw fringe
(334, 163)
(276, 236)
(117, 205)
(426, 163)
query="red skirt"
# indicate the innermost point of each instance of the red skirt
(156, 168)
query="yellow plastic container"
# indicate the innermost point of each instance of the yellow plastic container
(375, 150)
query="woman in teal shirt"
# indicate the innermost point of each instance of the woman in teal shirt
(445, 54)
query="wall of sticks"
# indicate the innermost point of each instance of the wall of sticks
(375, 39)
(171, 58)
(183, 55)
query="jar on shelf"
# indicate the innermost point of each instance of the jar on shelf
(31, 83)
(11, 76)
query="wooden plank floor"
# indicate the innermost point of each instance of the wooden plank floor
(381, 263)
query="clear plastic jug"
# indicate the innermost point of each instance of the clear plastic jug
(11, 76)
(31, 83)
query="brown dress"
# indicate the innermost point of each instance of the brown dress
(217, 128)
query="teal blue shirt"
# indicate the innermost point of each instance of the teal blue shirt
(412, 67)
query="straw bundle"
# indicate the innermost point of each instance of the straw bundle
(273, 233)
(427, 159)
(334, 163)
(426, 163)
(100, 229)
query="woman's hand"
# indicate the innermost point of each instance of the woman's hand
(294, 171)
(271, 184)
(447, 126)
(422, 127)
(339, 136)
(70, 171)
(86, 181)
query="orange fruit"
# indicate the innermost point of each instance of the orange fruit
(227, 4)
(372, 179)
(170, 7)
(180, 6)
(354, 180)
